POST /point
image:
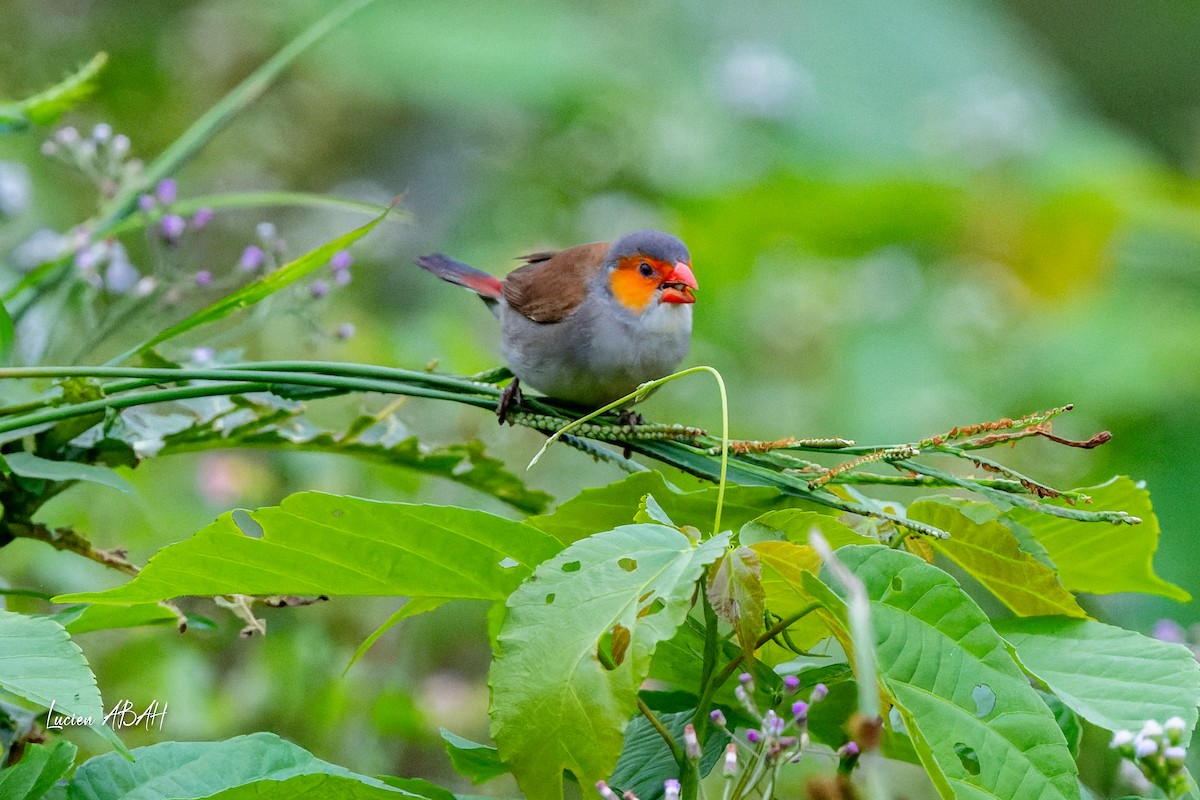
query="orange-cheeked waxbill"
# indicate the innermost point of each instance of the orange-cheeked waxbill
(589, 324)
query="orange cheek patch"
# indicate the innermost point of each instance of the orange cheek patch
(631, 288)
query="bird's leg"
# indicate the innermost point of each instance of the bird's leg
(510, 398)
(633, 419)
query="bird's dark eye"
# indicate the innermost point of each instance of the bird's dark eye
(646, 270)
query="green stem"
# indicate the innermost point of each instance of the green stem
(712, 646)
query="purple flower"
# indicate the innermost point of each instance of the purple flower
(717, 716)
(753, 736)
(791, 683)
(773, 724)
(204, 278)
(342, 277)
(202, 217)
(341, 260)
(1168, 630)
(166, 191)
(146, 202)
(319, 289)
(120, 277)
(252, 258)
(848, 750)
(800, 711)
(203, 355)
(819, 693)
(671, 789)
(345, 330)
(746, 679)
(171, 226)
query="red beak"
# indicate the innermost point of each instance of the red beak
(679, 285)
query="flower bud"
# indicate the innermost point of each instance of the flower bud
(166, 191)
(146, 202)
(747, 680)
(102, 132)
(800, 712)
(1175, 756)
(731, 764)
(718, 717)
(171, 226)
(1120, 739)
(670, 789)
(204, 278)
(691, 744)
(346, 330)
(340, 261)
(319, 289)
(252, 258)
(1144, 748)
(605, 791)
(819, 693)
(753, 736)
(1175, 727)
(202, 217)
(790, 684)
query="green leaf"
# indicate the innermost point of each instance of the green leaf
(479, 762)
(646, 761)
(39, 768)
(609, 598)
(1098, 558)
(607, 507)
(783, 564)
(41, 664)
(795, 525)
(978, 726)
(418, 786)
(989, 552)
(88, 618)
(415, 606)
(1113, 678)
(47, 106)
(259, 766)
(257, 290)
(316, 543)
(28, 465)
(735, 591)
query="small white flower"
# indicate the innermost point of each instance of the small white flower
(1175, 756)
(1152, 729)
(1144, 748)
(102, 132)
(1120, 739)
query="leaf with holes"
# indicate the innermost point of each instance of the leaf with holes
(1093, 558)
(735, 591)
(556, 704)
(978, 726)
(1111, 677)
(989, 552)
(316, 543)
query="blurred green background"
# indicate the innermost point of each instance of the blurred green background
(903, 216)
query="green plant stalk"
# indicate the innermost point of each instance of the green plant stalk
(187, 145)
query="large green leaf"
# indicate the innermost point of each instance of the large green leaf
(260, 766)
(40, 663)
(577, 644)
(607, 507)
(28, 465)
(988, 551)
(39, 768)
(1111, 677)
(795, 525)
(1103, 559)
(316, 543)
(783, 565)
(978, 726)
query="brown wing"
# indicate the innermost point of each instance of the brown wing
(551, 285)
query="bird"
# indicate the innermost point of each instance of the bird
(589, 324)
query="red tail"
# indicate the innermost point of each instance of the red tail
(486, 286)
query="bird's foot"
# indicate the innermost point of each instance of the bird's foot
(510, 398)
(633, 419)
